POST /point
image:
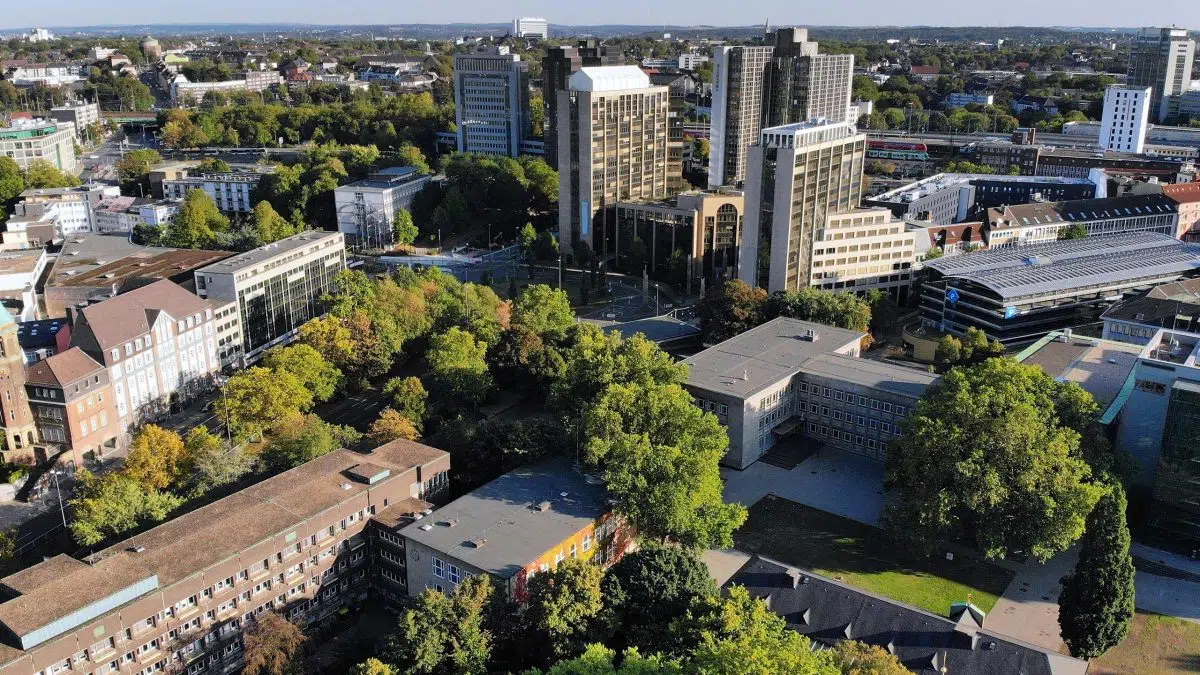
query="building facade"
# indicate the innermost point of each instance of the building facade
(276, 287)
(29, 140)
(531, 27)
(691, 237)
(799, 175)
(1125, 119)
(1043, 222)
(948, 198)
(157, 342)
(232, 191)
(1135, 320)
(864, 249)
(365, 209)
(20, 429)
(612, 147)
(79, 113)
(789, 377)
(491, 97)
(73, 405)
(803, 85)
(737, 110)
(1161, 58)
(559, 64)
(1187, 200)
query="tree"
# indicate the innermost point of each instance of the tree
(648, 589)
(843, 310)
(42, 174)
(272, 645)
(114, 503)
(600, 660)
(136, 164)
(303, 439)
(859, 658)
(157, 458)
(594, 360)
(408, 397)
(987, 455)
(372, 666)
(659, 455)
(521, 356)
(732, 310)
(949, 351)
(545, 311)
(411, 155)
(391, 425)
(1096, 605)
(12, 181)
(214, 165)
(267, 225)
(1072, 231)
(257, 399)
(212, 463)
(445, 634)
(403, 228)
(458, 371)
(196, 223)
(526, 238)
(307, 365)
(563, 606)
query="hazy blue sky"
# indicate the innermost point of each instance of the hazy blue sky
(21, 13)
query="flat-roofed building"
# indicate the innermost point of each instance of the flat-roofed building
(365, 209)
(52, 214)
(1126, 118)
(521, 524)
(182, 593)
(276, 288)
(737, 105)
(73, 406)
(19, 275)
(491, 96)
(30, 140)
(233, 191)
(947, 198)
(79, 113)
(864, 249)
(788, 376)
(1018, 294)
(690, 237)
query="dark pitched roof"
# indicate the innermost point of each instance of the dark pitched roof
(62, 369)
(828, 611)
(1175, 305)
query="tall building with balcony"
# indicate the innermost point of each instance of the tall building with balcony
(798, 176)
(559, 64)
(491, 98)
(275, 288)
(1161, 58)
(613, 143)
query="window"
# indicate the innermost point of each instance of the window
(439, 568)
(455, 574)
(574, 552)
(587, 543)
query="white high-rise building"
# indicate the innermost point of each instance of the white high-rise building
(491, 99)
(531, 27)
(1126, 118)
(1161, 58)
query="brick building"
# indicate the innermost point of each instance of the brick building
(72, 403)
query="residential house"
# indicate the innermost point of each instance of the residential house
(71, 398)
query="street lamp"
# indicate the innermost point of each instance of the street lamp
(58, 490)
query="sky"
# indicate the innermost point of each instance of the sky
(638, 12)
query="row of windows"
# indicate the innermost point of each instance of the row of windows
(846, 436)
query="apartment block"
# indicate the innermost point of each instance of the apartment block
(531, 27)
(365, 209)
(612, 147)
(156, 341)
(802, 84)
(864, 249)
(789, 378)
(79, 113)
(178, 597)
(1161, 58)
(559, 64)
(233, 191)
(491, 96)
(1041, 222)
(799, 174)
(73, 405)
(275, 288)
(52, 214)
(519, 525)
(1125, 119)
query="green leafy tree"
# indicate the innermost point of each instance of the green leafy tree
(458, 371)
(600, 660)
(859, 658)
(526, 238)
(307, 365)
(445, 634)
(731, 310)
(257, 399)
(987, 455)
(213, 462)
(136, 164)
(304, 438)
(391, 425)
(520, 356)
(214, 164)
(594, 360)
(563, 607)
(648, 589)
(659, 455)
(843, 310)
(197, 222)
(545, 311)
(157, 458)
(1072, 231)
(42, 174)
(408, 397)
(411, 155)
(12, 181)
(372, 666)
(949, 352)
(272, 646)
(114, 503)
(267, 225)
(403, 228)
(1096, 606)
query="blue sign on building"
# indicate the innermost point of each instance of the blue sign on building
(952, 296)
(1010, 312)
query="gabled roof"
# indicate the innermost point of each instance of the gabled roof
(1182, 193)
(62, 369)
(130, 315)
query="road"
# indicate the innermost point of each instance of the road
(100, 163)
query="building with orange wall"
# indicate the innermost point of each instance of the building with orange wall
(515, 527)
(1187, 196)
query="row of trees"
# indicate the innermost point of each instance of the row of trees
(39, 174)
(737, 307)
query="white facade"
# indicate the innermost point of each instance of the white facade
(231, 191)
(184, 91)
(27, 141)
(70, 210)
(39, 35)
(116, 215)
(491, 98)
(49, 74)
(158, 213)
(863, 249)
(531, 27)
(365, 209)
(19, 274)
(1126, 118)
(692, 61)
(79, 113)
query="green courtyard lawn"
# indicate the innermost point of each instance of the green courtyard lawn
(862, 556)
(1156, 645)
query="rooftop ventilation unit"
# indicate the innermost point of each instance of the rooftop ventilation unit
(426, 527)
(541, 507)
(477, 542)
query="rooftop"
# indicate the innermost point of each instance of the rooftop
(829, 611)
(1081, 210)
(87, 265)
(609, 78)
(22, 262)
(944, 181)
(1182, 193)
(501, 527)
(1060, 266)
(62, 369)
(40, 333)
(764, 355)
(1165, 306)
(875, 374)
(656, 328)
(130, 315)
(270, 251)
(1101, 367)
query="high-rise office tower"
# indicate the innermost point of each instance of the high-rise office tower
(531, 27)
(756, 87)
(559, 64)
(797, 175)
(491, 99)
(737, 99)
(1126, 117)
(1161, 58)
(612, 147)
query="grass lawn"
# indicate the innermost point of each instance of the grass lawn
(862, 556)
(1156, 645)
